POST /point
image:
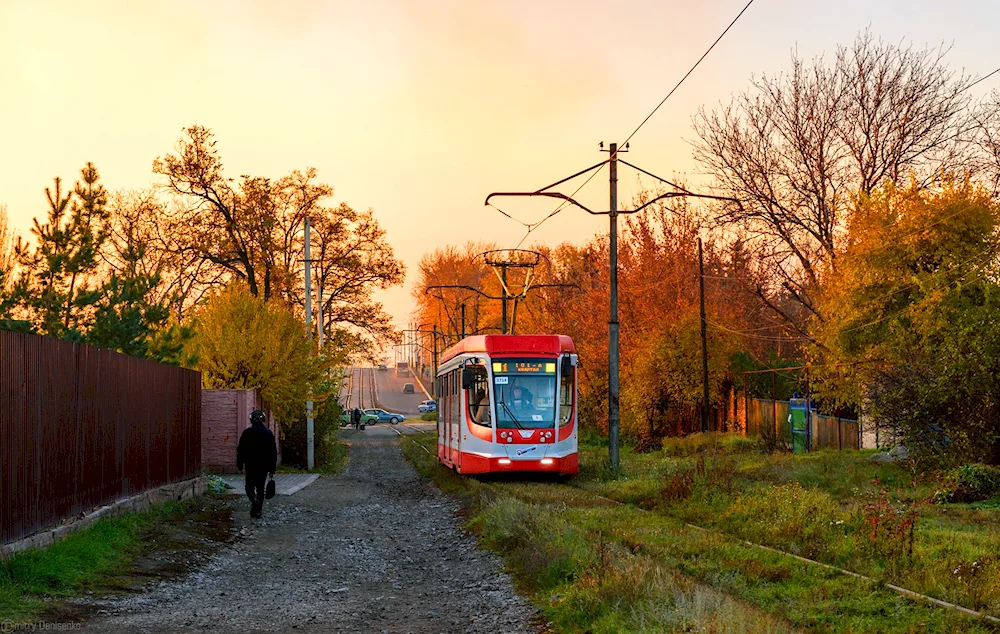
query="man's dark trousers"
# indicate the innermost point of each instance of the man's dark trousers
(256, 481)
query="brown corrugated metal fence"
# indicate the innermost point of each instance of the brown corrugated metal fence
(82, 426)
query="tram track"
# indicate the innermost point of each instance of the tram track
(518, 490)
(350, 389)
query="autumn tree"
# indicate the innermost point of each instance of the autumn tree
(251, 230)
(912, 332)
(245, 342)
(55, 285)
(244, 227)
(132, 305)
(7, 262)
(352, 260)
(660, 325)
(462, 268)
(795, 148)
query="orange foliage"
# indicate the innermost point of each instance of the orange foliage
(658, 312)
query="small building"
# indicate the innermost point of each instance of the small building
(224, 416)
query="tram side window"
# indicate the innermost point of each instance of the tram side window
(479, 397)
(565, 398)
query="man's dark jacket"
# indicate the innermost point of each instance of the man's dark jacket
(257, 450)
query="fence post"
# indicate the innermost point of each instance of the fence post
(774, 407)
(746, 407)
(840, 440)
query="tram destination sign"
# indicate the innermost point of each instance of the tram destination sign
(524, 367)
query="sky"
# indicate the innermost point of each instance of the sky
(415, 108)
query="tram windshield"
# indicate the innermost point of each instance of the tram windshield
(525, 393)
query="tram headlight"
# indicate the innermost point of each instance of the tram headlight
(546, 461)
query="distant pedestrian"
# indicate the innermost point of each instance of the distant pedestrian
(258, 452)
(356, 417)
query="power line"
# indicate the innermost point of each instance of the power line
(532, 226)
(982, 79)
(749, 334)
(703, 56)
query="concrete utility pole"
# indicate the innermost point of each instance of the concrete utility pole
(310, 454)
(613, 213)
(319, 305)
(463, 321)
(503, 300)
(613, 384)
(704, 339)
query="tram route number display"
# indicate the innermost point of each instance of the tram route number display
(524, 367)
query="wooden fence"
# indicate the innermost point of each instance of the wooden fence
(769, 419)
(81, 426)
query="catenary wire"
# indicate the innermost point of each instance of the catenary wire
(982, 79)
(686, 75)
(563, 204)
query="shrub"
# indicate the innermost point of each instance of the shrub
(786, 516)
(679, 487)
(719, 442)
(325, 426)
(888, 529)
(969, 483)
(980, 579)
(430, 417)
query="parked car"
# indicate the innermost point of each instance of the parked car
(427, 406)
(366, 418)
(382, 416)
(408, 388)
(383, 367)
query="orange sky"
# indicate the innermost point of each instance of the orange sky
(415, 108)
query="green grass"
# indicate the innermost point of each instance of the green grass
(72, 565)
(617, 555)
(336, 455)
(815, 505)
(581, 579)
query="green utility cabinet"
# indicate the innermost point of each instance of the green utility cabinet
(798, 418)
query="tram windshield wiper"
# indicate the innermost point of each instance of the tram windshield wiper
(510, 413)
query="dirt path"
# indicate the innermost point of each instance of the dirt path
(376, 549)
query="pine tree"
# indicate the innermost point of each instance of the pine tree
(55, 283)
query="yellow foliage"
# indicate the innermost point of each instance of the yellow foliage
(243, 342)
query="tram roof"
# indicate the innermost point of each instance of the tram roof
(511, 344)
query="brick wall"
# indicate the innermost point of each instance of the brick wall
(224, 416)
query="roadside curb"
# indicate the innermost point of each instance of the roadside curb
(375, 395)
(182, 490)
(422, 388)
(301, 485)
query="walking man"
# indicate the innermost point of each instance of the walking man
(258, 452)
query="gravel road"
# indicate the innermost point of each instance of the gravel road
(375, 549)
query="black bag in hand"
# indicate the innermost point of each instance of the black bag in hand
(269, 489)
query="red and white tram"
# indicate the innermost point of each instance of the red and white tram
(508, 403)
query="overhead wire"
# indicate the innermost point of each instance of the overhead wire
(749, 333)
(532, 226)
(687, 74)
(982, 79)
